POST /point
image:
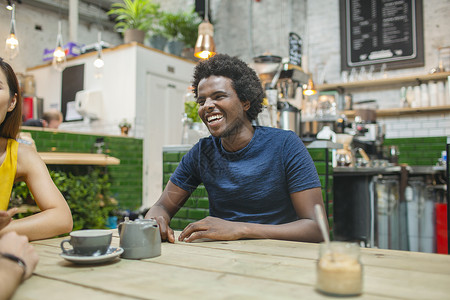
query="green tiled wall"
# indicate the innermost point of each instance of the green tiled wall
(319, 158)
(197, 206)
(418, 151)
(126, 178)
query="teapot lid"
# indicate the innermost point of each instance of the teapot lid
(139, 221)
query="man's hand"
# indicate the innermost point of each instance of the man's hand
(18, 245)
(6, 216)
(166, 232)
(212, 228)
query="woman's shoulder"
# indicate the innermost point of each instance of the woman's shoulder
(27, 153)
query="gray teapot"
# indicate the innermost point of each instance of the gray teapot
(140, 238)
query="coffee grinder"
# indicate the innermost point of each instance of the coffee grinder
(368, 134)
(282, 83)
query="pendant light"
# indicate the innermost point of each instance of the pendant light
(59, 56)
(9, 6)
(308, 89)
(205, 47)
(12, 43)
(98, 62)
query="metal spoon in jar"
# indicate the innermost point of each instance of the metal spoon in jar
(323, 228)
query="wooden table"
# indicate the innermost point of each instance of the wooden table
(246, 269)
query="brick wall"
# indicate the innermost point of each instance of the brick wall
(126, 178)
(423, 125)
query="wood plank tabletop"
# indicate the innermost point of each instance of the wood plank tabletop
(244, 269)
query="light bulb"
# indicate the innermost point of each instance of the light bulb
(205, 54)
(59, 55)
(59, 59)
(12, 46)
(12, 43)
(99, 63)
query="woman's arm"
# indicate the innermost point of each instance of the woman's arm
(55, 217)
(304, 230)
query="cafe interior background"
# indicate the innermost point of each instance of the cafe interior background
(385, 125)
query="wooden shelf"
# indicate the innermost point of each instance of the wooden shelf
(384, 81)
(66, 158)
(403, 111)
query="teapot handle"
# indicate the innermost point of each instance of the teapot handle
(119, 227)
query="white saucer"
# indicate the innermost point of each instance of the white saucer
(111, 254)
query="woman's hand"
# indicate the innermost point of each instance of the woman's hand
(6, 217)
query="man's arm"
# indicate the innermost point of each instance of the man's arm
(305, 230)
(172, 198)
(12, 273)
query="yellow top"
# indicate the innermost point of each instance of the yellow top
(7, 173)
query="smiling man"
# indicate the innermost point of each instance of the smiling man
(261, 181)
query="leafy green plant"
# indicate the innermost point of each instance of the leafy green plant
(88, 197)
(134, 14)
(170, 25)
(191, 110)
(181, 26)
(189, 28)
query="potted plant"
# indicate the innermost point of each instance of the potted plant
(170, 23)
(181, 29)
(158, 38)
(189, 32)
(134, 18)
(124, 126)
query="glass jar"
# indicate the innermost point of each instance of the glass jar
(339, 270)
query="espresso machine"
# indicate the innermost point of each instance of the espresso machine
(282, 83)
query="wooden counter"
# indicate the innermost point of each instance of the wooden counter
(66, 158)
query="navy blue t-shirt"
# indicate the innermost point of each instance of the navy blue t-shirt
(253, 184)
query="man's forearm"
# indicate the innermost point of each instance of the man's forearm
(10, 277)
(304, 230)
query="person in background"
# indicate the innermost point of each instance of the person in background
(50, 119)
(261, 181)
(21, 162)
(18, 259)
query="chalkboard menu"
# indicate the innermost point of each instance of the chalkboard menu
(375, 32)
(295, 49)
